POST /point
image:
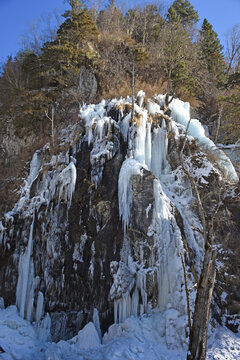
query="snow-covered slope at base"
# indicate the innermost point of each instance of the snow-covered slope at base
(136, 338)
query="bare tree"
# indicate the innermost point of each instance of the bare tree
(233, 49)
(43, 29)
(232, 57)
(133, 84)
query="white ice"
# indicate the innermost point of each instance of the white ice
(135, 339)
(129, 168)
(180, 111)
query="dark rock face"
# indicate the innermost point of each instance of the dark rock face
(72, 247)
(87, 85)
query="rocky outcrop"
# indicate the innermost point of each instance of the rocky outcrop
(227, 296)
(87, 85)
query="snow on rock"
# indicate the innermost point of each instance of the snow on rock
(180, 111)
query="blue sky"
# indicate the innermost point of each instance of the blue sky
(17, 15)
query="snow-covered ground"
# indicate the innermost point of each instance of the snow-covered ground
(134, 339)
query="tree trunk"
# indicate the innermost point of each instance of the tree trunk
(218, 122)
(198, 335)
(133, 90)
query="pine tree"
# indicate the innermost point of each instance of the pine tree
(72, 48)
(172, 16)
(185, 10)
(211, 52)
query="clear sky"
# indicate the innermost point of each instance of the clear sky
(17, 15)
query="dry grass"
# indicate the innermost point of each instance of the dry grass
(125, 89)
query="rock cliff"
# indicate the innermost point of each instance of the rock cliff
(103, 218)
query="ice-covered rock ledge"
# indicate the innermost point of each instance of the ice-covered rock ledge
(180, 112)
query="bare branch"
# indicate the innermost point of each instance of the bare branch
(52, 122)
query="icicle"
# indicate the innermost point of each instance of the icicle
(35, 166)
(39, 308)
(140, 98)
(167, 233)
(124, 126)
(139, 150)
(67, 181)
(129, 167)
(148, 146)
(24, 292)
(97, 322)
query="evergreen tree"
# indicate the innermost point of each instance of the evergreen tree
(184, 9)
(211, 52)
(176, 53)
(72, 48)
(172, 16)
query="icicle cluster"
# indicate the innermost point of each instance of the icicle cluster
(41, 188)
(99, 130)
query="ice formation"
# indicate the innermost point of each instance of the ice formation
(99, 127)
(129, 167)
(56, 184)
(180, 112)
(146, 142)
(25, 285)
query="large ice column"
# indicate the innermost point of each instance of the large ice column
(168, 236)
(27, 284)
(159, 150)
(164, 268)
(25, 291)
(129, 167)
(148, 145)
(66, 182)
(140, 139)
(35, 166)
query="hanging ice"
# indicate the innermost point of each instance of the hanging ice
(180, 111)
(129, 167)
(159, 150)
(67, 181)
(25, 285)
(140, 138)
(35, 166)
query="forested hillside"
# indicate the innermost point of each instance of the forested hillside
(172, 51)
